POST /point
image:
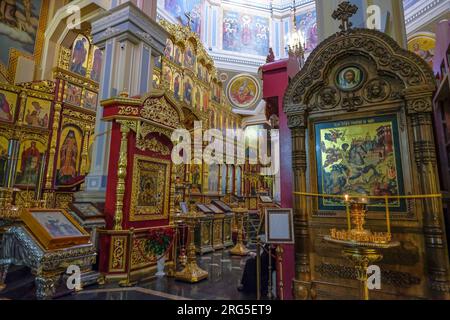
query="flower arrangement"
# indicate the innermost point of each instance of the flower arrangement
(159, 240)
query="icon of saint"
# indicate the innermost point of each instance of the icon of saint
(68, 159)
(5, 108)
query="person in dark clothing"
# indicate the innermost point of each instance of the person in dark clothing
(248, 281)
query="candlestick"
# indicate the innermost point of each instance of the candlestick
(347, 207)
(388, 216)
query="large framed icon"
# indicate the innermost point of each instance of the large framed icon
(55, 228)
(279, 226)
(359, 157)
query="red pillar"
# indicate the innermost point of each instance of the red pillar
(275, 83)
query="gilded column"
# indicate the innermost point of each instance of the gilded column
(52, 152)
(121, 175)
(84, 153)
(302, 282)
(419, 108)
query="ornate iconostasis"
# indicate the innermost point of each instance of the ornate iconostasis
(239, 37)
(188, 73)
(48, 127)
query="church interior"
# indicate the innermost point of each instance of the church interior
(224, 150)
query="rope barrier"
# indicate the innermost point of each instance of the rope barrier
(317, 195)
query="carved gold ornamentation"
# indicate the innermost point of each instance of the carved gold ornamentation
(158, 110)
(64, 58)
(128, 111)
(145, 129)
(139, 258)
(63, 200)
(152, 145)
(117, 254)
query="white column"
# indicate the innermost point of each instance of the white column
(129, 38)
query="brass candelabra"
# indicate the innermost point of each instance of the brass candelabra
(362, 247)
(191, 272)
(240, 249)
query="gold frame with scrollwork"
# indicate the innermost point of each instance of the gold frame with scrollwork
(134, 216)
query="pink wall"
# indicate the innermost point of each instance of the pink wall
(442, 43)
(275, 83)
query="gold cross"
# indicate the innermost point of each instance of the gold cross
(344, 12)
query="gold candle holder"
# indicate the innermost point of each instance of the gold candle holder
(191, 273)
(240, 249)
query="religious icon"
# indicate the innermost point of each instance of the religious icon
(205, 100)
(30, 163)
(189, 57)
(196, 179)
(176, 87)
(200, 72)
(360, 156)
(57, 225)
(80, 55)
(223, 173)
(73, 94)
(150, 191)
(177, 58)
(213, 178)
(168, 49)
(97, 65)
(243, 91)
(423, 44)
(230, 178)
(167, 75)
(55, 228)
(90, 100)
(349, 78)
(86, 210)
(245, 33)
(198, 99)
(68, 156)
(238, 181)
(38, 113)
(3, 159)
(184, 207)
(7, 105)
(188, 91)
(19, 22)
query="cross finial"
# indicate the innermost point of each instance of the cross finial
(189, 19)
(344, 12)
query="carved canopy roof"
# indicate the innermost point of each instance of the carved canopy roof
(415, 74)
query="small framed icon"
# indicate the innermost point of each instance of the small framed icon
(350, 78)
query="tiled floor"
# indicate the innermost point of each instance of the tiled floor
(225, 273)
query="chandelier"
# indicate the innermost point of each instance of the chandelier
(296, 42)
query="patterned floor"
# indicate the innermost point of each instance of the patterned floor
(225, 273)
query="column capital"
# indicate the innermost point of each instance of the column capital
(128, 22)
